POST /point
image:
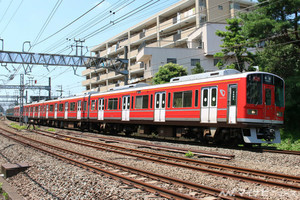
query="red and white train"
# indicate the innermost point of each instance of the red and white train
(223, 106)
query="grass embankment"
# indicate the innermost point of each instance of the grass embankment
(17, 126)
(290, 140)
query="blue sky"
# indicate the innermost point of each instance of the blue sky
(22, 20)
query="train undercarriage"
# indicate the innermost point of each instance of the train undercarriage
(204, 134)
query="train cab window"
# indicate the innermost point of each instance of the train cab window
(61, 107)
(113, 104)
(51, 108)
(182, 99)
(196, 98)
(72, 106)
(254, 89)
(141, 102)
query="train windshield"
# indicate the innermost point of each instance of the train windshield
(254, 88)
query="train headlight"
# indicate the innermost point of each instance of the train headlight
(279, 114)
(251, 112)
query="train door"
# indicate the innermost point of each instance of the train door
(66, 110)
(47, 110)
(160, 107)
(269, 101)
(101, 109)
(209, 106)
(55, 111)
(78, 109)
(232, 102)
(126, 108)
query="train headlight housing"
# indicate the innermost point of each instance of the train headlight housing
(279, 114)
(251, 112)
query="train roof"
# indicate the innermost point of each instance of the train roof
(184, 80)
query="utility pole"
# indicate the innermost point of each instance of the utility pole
(80, 46)
(21, 99)
(61, 90)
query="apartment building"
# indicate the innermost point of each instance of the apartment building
(184, 34)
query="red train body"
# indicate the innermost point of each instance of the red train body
(223, 106)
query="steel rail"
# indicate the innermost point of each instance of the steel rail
(209, 171)
(150, 188)
(167, 148)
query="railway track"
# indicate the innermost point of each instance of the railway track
(237, 173)
(109, 168)
(141, 144)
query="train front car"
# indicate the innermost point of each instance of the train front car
(264, 110)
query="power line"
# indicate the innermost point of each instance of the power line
(12, 17)
(6, 10)
(70, 23)
(56, 6)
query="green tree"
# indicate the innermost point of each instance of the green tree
(275, 25)
(198, 69)
(168, 71)
(235, 46)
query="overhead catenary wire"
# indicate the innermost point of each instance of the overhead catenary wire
(55, 8)
(69, 24)
(12, 17)
(6, 10)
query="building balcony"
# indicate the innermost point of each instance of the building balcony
(133, 53)
(94, 80)
(86, 72)
(166, 24)
(86, 82)
(103, 53)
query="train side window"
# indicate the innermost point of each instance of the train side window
(51, 108)
(120, 103)
(61, 106)
(182, 99)
(233, 97)
(105, 104)
(113, 104)
(84, 105)
(169, 99)
(72, 106)
(151, 101)
(205, 98)
(196, 98)
(132, 100)
(93, 105)
(141, 102)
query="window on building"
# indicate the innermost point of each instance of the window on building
(216, 61)
(113, 104)
(72, 106)
(220, 7)
(194, 62)
(141, 102)
(182, 99)
(61, 107)
(172, 60)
